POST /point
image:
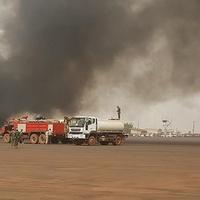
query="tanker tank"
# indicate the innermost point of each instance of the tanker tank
(110, 125)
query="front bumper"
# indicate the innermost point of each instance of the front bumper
(77, 136)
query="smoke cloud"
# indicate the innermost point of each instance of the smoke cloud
(56, 48)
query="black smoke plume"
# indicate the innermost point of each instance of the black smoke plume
(57, 45)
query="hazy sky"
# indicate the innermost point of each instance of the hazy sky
(149, 67)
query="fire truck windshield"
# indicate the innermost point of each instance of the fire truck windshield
(77, 122)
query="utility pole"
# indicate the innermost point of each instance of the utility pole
(193, 127)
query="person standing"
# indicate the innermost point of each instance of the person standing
(21, 139)
(119, 112)
(12, 137)
(48, 135)
(17, 139)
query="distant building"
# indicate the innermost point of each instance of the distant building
(147, 132)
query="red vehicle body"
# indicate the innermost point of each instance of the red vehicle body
(34, 130)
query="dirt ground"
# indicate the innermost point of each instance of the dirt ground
(133, 171)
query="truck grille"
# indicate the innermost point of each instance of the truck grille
(75, 129)
(76, 133)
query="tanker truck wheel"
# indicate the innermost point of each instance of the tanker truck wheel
(6, 138)
(92, 141)
(42, 139)
(34, 139)
(118, 140)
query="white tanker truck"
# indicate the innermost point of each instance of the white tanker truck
(91, 131)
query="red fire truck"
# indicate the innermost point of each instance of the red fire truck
(34, 130)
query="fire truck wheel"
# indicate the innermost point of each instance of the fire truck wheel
(118, 140)
(42, 139)
(92, 141)
(34, 139)
(6, 138)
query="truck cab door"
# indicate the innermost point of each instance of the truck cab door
(91, 125)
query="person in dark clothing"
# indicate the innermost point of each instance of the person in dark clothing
(17, 139)
(119, 112)
(12, 137)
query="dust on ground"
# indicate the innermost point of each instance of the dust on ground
(133, 171)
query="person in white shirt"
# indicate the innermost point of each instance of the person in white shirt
(48, 135)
